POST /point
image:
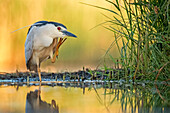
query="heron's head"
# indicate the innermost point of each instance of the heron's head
(52, 29)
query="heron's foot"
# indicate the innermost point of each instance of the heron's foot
(61, 41)
(53, 60)
(40, 79)
(55, 56)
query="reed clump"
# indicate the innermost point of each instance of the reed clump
(143, 28)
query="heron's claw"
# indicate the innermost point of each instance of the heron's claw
(61, 41)
(53, 60)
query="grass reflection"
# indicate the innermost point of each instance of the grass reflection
(136, 98)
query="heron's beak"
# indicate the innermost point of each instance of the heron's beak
(69, 34)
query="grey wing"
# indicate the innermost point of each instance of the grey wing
(28, 48)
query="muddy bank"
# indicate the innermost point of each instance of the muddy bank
(65, 76)
(86, 76)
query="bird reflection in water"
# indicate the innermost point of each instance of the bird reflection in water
(34, 104)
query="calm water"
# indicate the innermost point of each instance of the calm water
(80, 98)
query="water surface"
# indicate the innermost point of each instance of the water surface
(77, 98)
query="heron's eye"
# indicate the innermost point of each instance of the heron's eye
(59, 28)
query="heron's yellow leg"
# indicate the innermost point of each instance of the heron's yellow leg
(39, 72)
(61, 41)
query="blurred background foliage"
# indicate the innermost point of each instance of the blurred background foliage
(88, 50)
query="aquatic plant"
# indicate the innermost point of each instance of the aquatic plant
(143, 28)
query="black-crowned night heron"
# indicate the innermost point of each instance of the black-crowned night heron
(43, 41)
